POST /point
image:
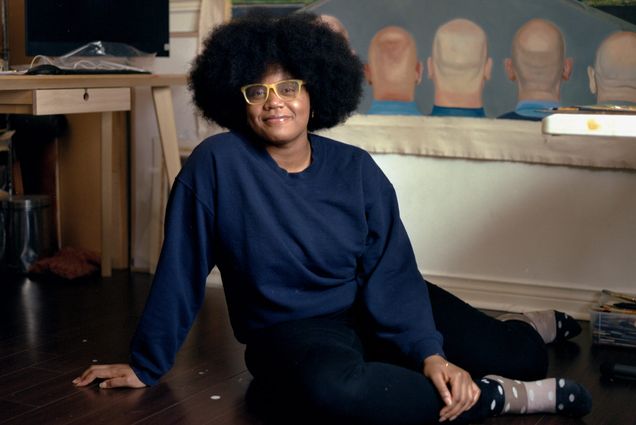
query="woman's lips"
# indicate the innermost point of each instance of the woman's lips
(275, 119)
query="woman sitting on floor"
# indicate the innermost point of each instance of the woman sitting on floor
(319, 274)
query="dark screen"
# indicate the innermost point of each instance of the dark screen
(56, 27)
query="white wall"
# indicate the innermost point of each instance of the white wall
(555, 226)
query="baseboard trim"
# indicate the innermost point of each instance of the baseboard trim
(517, 296)
(504, 296)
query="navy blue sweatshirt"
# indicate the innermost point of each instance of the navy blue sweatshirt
(288, 246)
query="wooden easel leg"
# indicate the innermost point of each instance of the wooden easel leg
(164, 111)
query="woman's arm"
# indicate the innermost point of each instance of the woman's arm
(394, 293)
(178, 289)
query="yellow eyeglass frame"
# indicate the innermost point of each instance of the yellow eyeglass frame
(271, 87)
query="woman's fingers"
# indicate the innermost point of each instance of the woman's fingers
(114, 375)
(464, 394)
(120, 382)
(90, 374)
(440, 383)
(436, 369)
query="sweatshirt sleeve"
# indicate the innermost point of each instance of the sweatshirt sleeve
(178, 287)
(395, 294)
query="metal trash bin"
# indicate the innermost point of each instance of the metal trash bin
(25, 231)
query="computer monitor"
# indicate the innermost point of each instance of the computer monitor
(57, 27)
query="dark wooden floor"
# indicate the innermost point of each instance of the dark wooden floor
(52, 330)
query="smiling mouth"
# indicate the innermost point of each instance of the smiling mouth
(277, 119)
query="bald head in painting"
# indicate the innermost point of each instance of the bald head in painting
(393, 69)
(538, 66)
(538, 63)
(459, 64)
(335, 24)
(613, 77)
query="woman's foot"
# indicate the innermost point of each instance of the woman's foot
(552, 395)
(552, 325)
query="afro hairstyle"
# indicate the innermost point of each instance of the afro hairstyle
(240, 52)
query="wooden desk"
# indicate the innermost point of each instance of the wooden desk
(104, 94)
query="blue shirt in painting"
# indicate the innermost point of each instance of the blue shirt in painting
(442, 111)
(393, 107)
(531, 110)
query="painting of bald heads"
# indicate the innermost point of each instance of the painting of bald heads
(510, 59)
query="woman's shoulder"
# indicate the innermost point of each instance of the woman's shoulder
(347, 158)
(222, 145)
(219, 148)
(218, 142)
(339, 148)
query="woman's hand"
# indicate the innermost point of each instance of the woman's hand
(114, 375)
(454, 384)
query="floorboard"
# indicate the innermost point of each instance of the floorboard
(50, 330)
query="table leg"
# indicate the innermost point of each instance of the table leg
(107, 191)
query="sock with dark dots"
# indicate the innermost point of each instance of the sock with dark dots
(552, 395)
(552, 325)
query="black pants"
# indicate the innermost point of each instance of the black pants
(326, 371)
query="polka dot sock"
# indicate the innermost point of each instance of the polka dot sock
(552, 395)
(552, 325)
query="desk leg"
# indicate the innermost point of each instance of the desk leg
(164, 111)
(107, 191)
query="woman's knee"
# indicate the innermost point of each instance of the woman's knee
(334, 390)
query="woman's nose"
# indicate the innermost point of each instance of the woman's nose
(273, 100)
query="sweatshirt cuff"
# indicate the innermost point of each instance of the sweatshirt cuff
(423, 349)
(143, 376)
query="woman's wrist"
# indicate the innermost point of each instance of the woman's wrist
(435, 360)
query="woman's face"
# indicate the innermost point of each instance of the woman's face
(278, 121)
